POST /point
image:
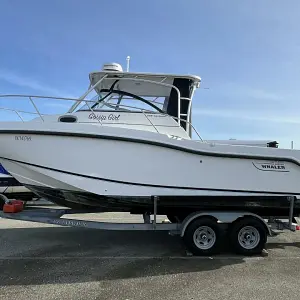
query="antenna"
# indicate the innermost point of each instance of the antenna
(128, 60)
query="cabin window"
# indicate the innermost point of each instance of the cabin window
(122, 101)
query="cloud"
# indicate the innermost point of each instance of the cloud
(64, 104)
(27, 82)
(240, 90)
(244, 125)
(260, 94)
(248, 115)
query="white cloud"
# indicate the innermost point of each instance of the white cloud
(260, 94)
(248, 115)
(62, 104)
(243, 91)
(284, 128)
(23, 81)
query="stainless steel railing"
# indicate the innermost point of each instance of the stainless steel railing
(118, 107)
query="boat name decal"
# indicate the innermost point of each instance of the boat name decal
(25, 138)
(271, 166)
(110, 117)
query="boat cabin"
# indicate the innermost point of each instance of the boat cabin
(146, 101)
(159, 103)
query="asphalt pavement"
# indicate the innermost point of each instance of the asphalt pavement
(39, 261)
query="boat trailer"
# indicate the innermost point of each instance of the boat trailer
(203, 232)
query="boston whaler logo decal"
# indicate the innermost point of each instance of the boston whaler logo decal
(276, 166)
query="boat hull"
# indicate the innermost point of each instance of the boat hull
(122, 164)
(168, 205)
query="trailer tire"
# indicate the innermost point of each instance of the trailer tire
(203, 236)
(248, 236)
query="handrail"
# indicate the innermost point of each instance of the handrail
(190, 104)
(31, 97)
(13, 111)
(191, 126)
(86, 102)
(22, 111)
(75, 105)
(155, 82)
(150, 122)
(149, 111)
(92, 87)
(36, 108)
(144, 111)
(42, 97)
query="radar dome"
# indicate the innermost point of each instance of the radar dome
(112, 67)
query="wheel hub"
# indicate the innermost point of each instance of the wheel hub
(204, 237)
(248, 237)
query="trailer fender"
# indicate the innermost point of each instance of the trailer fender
(222, 217)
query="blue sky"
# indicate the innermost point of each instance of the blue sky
(246, 52)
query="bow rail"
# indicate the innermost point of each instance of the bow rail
(37, 112)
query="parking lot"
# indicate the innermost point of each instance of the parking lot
(39, 261)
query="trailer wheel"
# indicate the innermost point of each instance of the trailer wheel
(203, 236)
(248, 236)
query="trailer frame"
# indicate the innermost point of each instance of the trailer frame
(54, 216)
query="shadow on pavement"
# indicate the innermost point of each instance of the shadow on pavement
(282, 245)
(31, 256)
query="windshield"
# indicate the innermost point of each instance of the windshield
(123, 101)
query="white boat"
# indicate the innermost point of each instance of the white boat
(134, 140)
